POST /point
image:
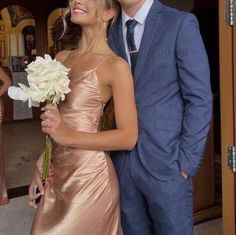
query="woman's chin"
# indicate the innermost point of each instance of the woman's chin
(78, 20)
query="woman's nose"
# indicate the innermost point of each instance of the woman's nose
(78, 1)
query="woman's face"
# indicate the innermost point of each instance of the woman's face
(86, 12)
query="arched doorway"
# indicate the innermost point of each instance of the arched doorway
(14, 19)
(29, 42)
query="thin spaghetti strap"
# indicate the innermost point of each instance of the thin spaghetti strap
(103, 59)
(67, 54)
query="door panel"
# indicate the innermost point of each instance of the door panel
(227, 94)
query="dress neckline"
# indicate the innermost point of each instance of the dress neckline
(97, 65)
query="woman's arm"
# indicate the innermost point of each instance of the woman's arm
(124, 137)
(6, 82)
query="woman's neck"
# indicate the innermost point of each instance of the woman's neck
(93, 40)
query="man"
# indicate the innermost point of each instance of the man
(173, 97)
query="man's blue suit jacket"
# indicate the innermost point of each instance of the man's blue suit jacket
(173, 93)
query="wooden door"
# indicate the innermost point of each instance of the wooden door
(227, 35)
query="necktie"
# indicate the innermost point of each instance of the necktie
(133, 52)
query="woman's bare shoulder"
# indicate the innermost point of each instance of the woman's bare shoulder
(118, 63)
(115, 69)
(62, 55)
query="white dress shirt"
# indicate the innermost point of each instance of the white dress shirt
(140, 17)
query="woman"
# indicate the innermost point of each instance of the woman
(82, 195)
(5, 83)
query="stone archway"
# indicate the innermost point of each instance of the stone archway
(15, 18)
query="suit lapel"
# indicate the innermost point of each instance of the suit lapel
(152, 24)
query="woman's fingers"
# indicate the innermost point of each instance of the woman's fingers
(39, 166)
(48, 115)
(50, 118)
(47, 123)
(40, 186)
(50, 172)
(34, 194)
(36, 183)
(49, 107)
(32, 199)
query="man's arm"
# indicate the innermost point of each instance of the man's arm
(194, 76)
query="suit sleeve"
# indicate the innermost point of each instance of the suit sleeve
(194, 75)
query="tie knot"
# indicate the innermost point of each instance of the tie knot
(131, 24)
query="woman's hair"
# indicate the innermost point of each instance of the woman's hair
(108, 4)
(113, 4)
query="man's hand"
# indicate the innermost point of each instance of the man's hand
(184, 174)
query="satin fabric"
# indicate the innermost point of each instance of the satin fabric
(82, 197)
(3, 189)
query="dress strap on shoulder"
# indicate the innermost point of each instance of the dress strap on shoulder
(103, 59)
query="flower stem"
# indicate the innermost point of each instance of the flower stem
(47, 153)
(47, 157)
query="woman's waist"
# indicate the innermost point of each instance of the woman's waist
(66, 154)
(69, 161)
(85, 125)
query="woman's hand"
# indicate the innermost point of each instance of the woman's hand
(35, 183)
(53, 124)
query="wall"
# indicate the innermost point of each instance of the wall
(185, 5)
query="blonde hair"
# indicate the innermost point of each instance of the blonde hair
(108, 4)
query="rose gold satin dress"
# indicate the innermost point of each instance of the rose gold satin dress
(3, 189)
(82, 197)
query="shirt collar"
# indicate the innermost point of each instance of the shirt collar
(141, 14)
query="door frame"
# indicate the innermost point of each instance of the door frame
(227, 102)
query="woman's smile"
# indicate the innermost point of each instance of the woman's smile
(79, 10)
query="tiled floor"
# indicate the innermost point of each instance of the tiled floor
(16, 217)
(213, 227)
(28, 141)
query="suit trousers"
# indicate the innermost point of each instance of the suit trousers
(153, 207)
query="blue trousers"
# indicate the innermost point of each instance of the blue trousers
(153, 207)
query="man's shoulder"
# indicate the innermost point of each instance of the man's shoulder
(175, 15)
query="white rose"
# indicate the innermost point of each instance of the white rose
(48, 80)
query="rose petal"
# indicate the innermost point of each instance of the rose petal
(17, 93)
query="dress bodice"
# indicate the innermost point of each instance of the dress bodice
(83, 106)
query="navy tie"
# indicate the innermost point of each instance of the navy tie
(133, 52)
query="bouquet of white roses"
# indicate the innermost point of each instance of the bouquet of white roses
(48, 82)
